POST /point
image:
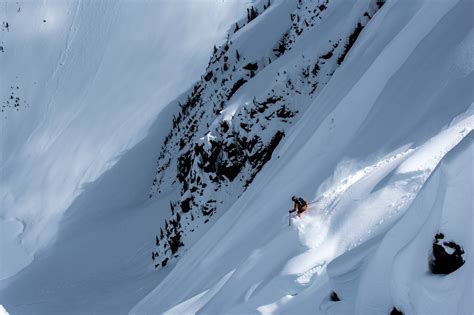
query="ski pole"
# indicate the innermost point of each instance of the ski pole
(310, 203)
(289, 216)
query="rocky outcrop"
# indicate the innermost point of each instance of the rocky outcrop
(446, 257)
(213, 156)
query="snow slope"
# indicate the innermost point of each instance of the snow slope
(368, 150)
(379, 136)
(90, 78)
(76, 163)
(257, 85)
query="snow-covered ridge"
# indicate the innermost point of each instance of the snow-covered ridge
(258, 83)
(382, 146)
(385, 150)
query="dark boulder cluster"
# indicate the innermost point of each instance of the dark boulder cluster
(446, 257)
(5, 26)
(396, 311)
(14, 101)
(334, 297)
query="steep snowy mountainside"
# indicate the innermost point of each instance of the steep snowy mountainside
(81, 83)
(364, 108)
(257, 84)
(394, 270)
(385, 149)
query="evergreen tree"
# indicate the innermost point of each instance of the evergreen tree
(252, 13)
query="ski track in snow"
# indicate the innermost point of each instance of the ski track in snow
(368, 234)
(411, 168)
(327, 231)
(392, 95)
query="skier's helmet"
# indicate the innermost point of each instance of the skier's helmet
(294, 198)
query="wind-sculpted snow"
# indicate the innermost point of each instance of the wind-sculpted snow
(375, 151)
(237, 114)
(352, 219)
(364, 108)
(396, 268)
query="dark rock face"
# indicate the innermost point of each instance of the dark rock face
(447, 256)
(350, 42)
(237, 85)
(208, 76)
(395, 311)
(210, 157)
(333, 297)
(251, 66)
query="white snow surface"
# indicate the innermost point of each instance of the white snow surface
(385, 150)
(91, 77)
(380, 150)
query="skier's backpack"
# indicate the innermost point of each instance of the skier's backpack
(301, 202)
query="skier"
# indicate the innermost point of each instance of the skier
(300, 205)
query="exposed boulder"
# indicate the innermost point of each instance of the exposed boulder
(446, 256)
(334, 297)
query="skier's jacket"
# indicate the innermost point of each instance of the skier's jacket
(300, 205)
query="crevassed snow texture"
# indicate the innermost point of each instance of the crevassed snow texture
(90, 77)
(369, 151)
